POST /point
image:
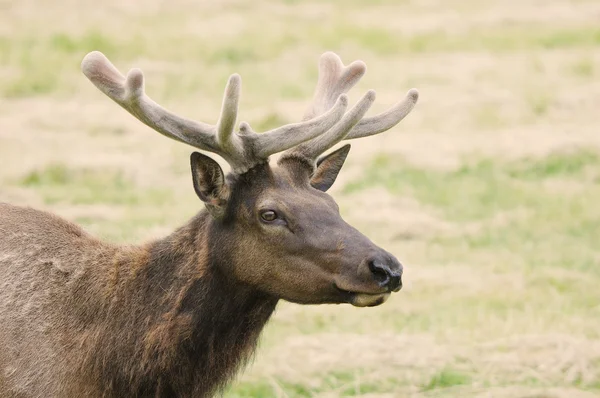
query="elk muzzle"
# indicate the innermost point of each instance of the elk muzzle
(379, 275)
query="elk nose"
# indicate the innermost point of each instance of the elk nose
(387, 273)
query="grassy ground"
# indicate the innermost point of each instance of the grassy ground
(488, 192)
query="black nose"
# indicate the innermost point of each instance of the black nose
(387, 273)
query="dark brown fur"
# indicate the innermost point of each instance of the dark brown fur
(158, 320)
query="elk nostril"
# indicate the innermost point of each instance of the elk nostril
(380, 273)
(396, 283)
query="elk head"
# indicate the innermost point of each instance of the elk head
(277, 230)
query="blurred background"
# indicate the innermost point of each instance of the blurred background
(489, 191)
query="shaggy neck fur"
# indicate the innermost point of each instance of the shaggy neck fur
(177, 324)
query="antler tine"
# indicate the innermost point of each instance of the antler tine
(385, 120)
(129, 93)
(334, 80)
(313, 148)
(228, 116)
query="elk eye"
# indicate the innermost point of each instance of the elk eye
(268, 215)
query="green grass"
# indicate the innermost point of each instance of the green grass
(447, 378)
(347, 384)
(68, 44)
(59, 183)
(558, 164)
(478, 189)
(80, 187)
(248, 390)
(43, 62)
(497, 39)
(519, 206)
(270, 121)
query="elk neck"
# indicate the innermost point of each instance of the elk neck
(194, 322)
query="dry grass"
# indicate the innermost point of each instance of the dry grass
(488, 191)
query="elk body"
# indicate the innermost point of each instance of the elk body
(177, 317)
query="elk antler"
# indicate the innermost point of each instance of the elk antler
(241, 150)
(335, 79)
(325, 122)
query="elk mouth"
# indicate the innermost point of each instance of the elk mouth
(362, 299)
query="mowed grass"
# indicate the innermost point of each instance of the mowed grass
(488, 192)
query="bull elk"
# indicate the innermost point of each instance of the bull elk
(179, 316)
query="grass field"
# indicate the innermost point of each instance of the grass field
(489, 192)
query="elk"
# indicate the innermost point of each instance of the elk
(181, 315)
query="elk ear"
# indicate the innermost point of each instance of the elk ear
(209, 183)
(328, 168)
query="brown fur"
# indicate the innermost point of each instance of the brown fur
(176, 317)
(132, 321)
